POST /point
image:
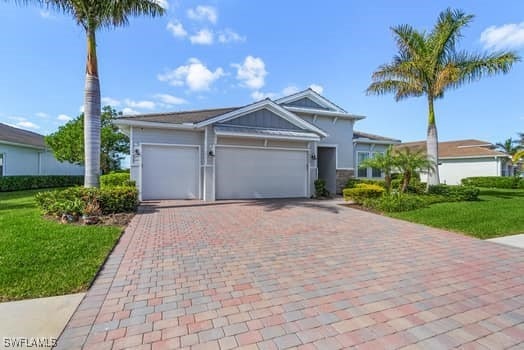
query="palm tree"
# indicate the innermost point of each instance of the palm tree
(93, 15)
(509, 146)
(412, 162)
(428, 64)
(386, 162)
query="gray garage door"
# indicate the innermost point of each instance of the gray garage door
(243, 173)
(170, 172)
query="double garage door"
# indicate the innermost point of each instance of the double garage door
(173, 172)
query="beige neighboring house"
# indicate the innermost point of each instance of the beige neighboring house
(466, 158)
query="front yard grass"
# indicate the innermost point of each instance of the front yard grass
(499, 212)
(40, 257)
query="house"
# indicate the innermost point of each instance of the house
(267, 149)
(367, 146)
(24, 152)
(466, 158)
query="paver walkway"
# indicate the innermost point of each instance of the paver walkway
(304, 274)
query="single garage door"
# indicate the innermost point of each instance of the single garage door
(243, 173)
(170, 172)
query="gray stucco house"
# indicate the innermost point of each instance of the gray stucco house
(268, 149)
(24, 152)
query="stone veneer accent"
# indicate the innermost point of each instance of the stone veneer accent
(342, 178)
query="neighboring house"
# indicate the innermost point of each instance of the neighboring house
(466, 158)
(24, 152)
(366, 146)
(267, 149)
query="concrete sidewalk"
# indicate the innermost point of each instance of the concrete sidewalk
(36, 318)
(514, 241)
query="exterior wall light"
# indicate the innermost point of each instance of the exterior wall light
(313, 156)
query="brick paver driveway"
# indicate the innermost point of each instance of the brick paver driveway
(305, 274)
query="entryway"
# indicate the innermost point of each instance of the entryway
(327, 166)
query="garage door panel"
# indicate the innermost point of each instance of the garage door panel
(170, 172)
(260, 173)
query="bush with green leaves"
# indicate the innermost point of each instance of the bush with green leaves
(352, 182)
(116, 179)
(363, 191)
(455, 193)
(19, 183)
(320, 188)
(396, 202)
(73, 201)
(494, 182)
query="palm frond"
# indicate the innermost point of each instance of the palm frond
(401, 89)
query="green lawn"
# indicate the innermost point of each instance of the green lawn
(39, 257)
(498, 213)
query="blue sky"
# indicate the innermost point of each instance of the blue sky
(205, 54)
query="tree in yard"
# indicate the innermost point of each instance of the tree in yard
(386, 162)
(93, 15)
(410, 163)
(429, 63)
(509, 146)
(67, 143)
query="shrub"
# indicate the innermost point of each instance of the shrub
(494, 181)
(415, 185)
(320, 188)
(362, 192)
(352, 182)
(455, 193)
(18, 183)
(73, 201)
(396, 202)
(116, 179)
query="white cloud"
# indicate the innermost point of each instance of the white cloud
(42, 115)
(63, 118)
(177, 29)
(46, 14)
(139, 104)
(229, 36)
(22, 122)
(163, 3)
(289, 90)
(109, 101)
(259, 95)
(507, 36)
(202, 37)
(170, 100)
(129, 111)
(81, 109)
(203, 13)
(317, 88)
(252, 72)
(195, 75)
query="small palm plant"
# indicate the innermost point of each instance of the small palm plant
(509, 146)
(385, 162)
(410, 163)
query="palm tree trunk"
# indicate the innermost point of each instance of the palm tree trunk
(405, 181)
(387, 180)
(432, 145)
(92, 115)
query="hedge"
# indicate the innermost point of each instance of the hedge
(74, 200)
(352, 182)
(494, 181)
(18, 183)
(116, 179)
(362, 192)
(455, 193)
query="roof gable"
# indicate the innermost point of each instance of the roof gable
(262, 118)
(309, 99)
(270, 106)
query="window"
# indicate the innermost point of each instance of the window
(362, 156)
(367, 172)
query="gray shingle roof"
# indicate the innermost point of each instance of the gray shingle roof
(24, 137)
(365, 135)
(180, 117)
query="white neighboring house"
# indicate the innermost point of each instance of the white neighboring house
(467, 158)
(24, 152)
(267, 149)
